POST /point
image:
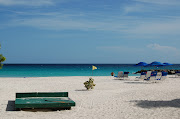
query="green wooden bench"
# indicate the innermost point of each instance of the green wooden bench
(38, 100)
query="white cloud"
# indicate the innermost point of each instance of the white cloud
(131, 26)
(161, 2)
(26, 2)
(118, 49)
(134, 8)
(157, 27)
(66, 22)
(164, 49)
(123, 24)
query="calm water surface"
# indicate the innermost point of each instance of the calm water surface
(46, 70)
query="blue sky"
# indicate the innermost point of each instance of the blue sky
(90, 31)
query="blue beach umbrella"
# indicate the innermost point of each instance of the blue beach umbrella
(167, 64)
(142, 64)
(155, 63)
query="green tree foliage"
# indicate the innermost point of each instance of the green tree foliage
(2, 59)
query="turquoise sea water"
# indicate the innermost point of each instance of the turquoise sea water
(46, 70)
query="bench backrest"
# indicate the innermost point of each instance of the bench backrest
(42, 94)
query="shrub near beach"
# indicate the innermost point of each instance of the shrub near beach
(89, 84)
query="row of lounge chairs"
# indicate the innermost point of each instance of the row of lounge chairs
(122, 74)
(148, 76)
(153, 76)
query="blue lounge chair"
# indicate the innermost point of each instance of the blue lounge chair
(125, 75)
(164, 75)
(148, 74)
(158, 76)
(152, 76)
(143, 75)
(177, 73)
(120, 74)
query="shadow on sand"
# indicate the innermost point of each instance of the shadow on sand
(119, 79)
(82, 90)
(174, 77)
(11, 106)
(158, 104)
(136, 82)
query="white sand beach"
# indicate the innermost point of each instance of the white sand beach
(110, 99)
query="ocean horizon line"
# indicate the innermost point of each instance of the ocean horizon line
(68, 63)
(74, 63)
